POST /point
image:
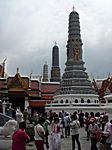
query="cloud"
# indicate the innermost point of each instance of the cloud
(29, 28)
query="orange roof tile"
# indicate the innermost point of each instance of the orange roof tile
(34, 85)
(49, 88)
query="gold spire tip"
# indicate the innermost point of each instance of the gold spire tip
(73, 8)
(55, 43)
(17, 70)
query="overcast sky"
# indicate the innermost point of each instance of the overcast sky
(29, 28)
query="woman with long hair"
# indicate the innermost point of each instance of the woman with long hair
(55, 134)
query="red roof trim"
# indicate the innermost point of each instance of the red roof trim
(34, 103)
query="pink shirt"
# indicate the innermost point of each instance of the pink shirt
(19, 140)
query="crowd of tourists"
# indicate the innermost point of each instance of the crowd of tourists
(51, 127)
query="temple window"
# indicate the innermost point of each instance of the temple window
(82, 100)
(110, 101)
(66, 100)
(76, 100)
(88, 101)
(61, 101)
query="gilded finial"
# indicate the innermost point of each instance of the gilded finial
(55, 43)
(30, 74)
(17, 70)
(73, 8)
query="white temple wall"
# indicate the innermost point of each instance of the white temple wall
(76, 98)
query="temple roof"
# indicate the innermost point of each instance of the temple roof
(34, 85)
(17, 82)
(49, 88)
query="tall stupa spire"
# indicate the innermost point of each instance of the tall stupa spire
(74, 43)
(55, 70)
(75, 82)
(45, 72)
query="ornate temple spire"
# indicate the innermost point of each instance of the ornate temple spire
(75, 79)
(74, 43)
(55, 56)
(45, 72)
(55, 70)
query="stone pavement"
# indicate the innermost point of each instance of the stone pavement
(66, 142)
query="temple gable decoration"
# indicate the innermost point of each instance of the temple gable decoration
(17, 82)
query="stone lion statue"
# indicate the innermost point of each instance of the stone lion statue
(8, 128)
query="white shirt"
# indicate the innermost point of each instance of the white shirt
(38, 129)
(108, 132)
(107, 129)
(66, 120)
(75, 127)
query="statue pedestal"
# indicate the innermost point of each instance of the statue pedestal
(5, 143)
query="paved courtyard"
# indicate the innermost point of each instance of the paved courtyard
(66, 142)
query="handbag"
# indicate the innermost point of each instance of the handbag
(103, 139)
